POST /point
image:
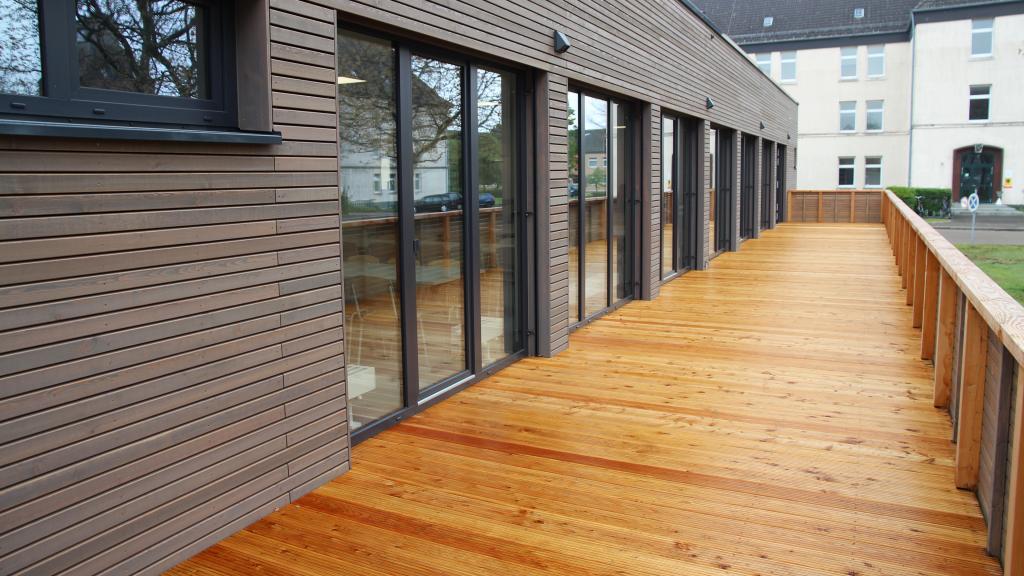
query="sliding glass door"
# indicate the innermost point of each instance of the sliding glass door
(601, 213)
(681, 158)
(431, 222)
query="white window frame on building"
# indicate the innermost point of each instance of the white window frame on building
(848, 63)
(847, 164)
(764, 62)
(848, 108)
(872, 167)
(982, 29)
(874, 110)
(876, 61)
(986, 96)
(787, 66)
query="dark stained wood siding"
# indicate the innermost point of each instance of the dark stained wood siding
(654, 216)
(171, 356)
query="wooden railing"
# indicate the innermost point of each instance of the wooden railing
(834, 206)
(973, 331)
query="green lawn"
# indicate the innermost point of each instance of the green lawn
(1004, 264)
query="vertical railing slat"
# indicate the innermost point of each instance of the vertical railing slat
(944, 342)
(972, 399)
(919, 281)
(933, 272)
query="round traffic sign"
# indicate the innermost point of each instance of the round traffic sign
(972, 202)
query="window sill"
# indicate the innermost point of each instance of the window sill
(139, 133)
(849, 78)
(980, 57)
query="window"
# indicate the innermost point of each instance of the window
(417, 181)
(875, 112)
(164, 61)
(788, 62)
(979, 103)
(858, 13)
(846, 167)
(847, 116)
(872, 172)
(764, 62)
(848, 62)
(591, 162)
(876, 61)
(981, 37)
(768, 22)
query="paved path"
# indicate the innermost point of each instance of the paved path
(1015, 237)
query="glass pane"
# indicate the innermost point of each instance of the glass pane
(849, 69)
(620, 201)
(668, 196)
(979, 109)
(437, 157)
(573, 114)
(21, 61)
(369, 206)
(595, 216)
(873, 176)
(874, 121)
(157, 47)
(499, 243)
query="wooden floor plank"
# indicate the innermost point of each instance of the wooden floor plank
(770, 415)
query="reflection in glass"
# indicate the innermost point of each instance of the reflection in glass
(499, 250)
(368, 162)
(595, 198)
(437, 158)
(620, 204)
(573, 113)
(713, 220)
(155, 47)
(21, 62)
(668, 196)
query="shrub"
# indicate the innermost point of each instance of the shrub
(934, 201)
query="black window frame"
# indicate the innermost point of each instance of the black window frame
(64, 98)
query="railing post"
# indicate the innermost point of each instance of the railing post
(933, 271)
(919, 281)
(821, 217)
(905, 254)
(944, 342)
(1013, 550)
(912, 245)
(971, 399)
(853, 206)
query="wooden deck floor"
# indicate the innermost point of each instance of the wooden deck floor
(769, 416)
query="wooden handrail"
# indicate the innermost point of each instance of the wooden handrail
(936, 274)
(1003, 314)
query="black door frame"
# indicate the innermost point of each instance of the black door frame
(632, 202)
(780, 183)
(725, 202)
(767, 181)
(748, 183)
(414, 400)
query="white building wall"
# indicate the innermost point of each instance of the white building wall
(943, 74)
(819, 89)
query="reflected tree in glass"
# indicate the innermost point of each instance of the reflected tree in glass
(573, 114)
(595, 198)
(21, 64)
(155, 47)
(367, 157)
(497, 198)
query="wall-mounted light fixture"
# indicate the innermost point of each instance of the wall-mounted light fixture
(762, 125)
(562, 43)
(709, 103)
(787, 136)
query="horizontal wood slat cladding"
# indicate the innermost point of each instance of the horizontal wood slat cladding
(171, 355)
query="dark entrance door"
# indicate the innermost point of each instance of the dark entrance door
(748, 177)
(725, 176)
(976, 174)
(767, 180)
(978, 169)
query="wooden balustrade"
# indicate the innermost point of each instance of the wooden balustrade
(835, 206)
(937, 277)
